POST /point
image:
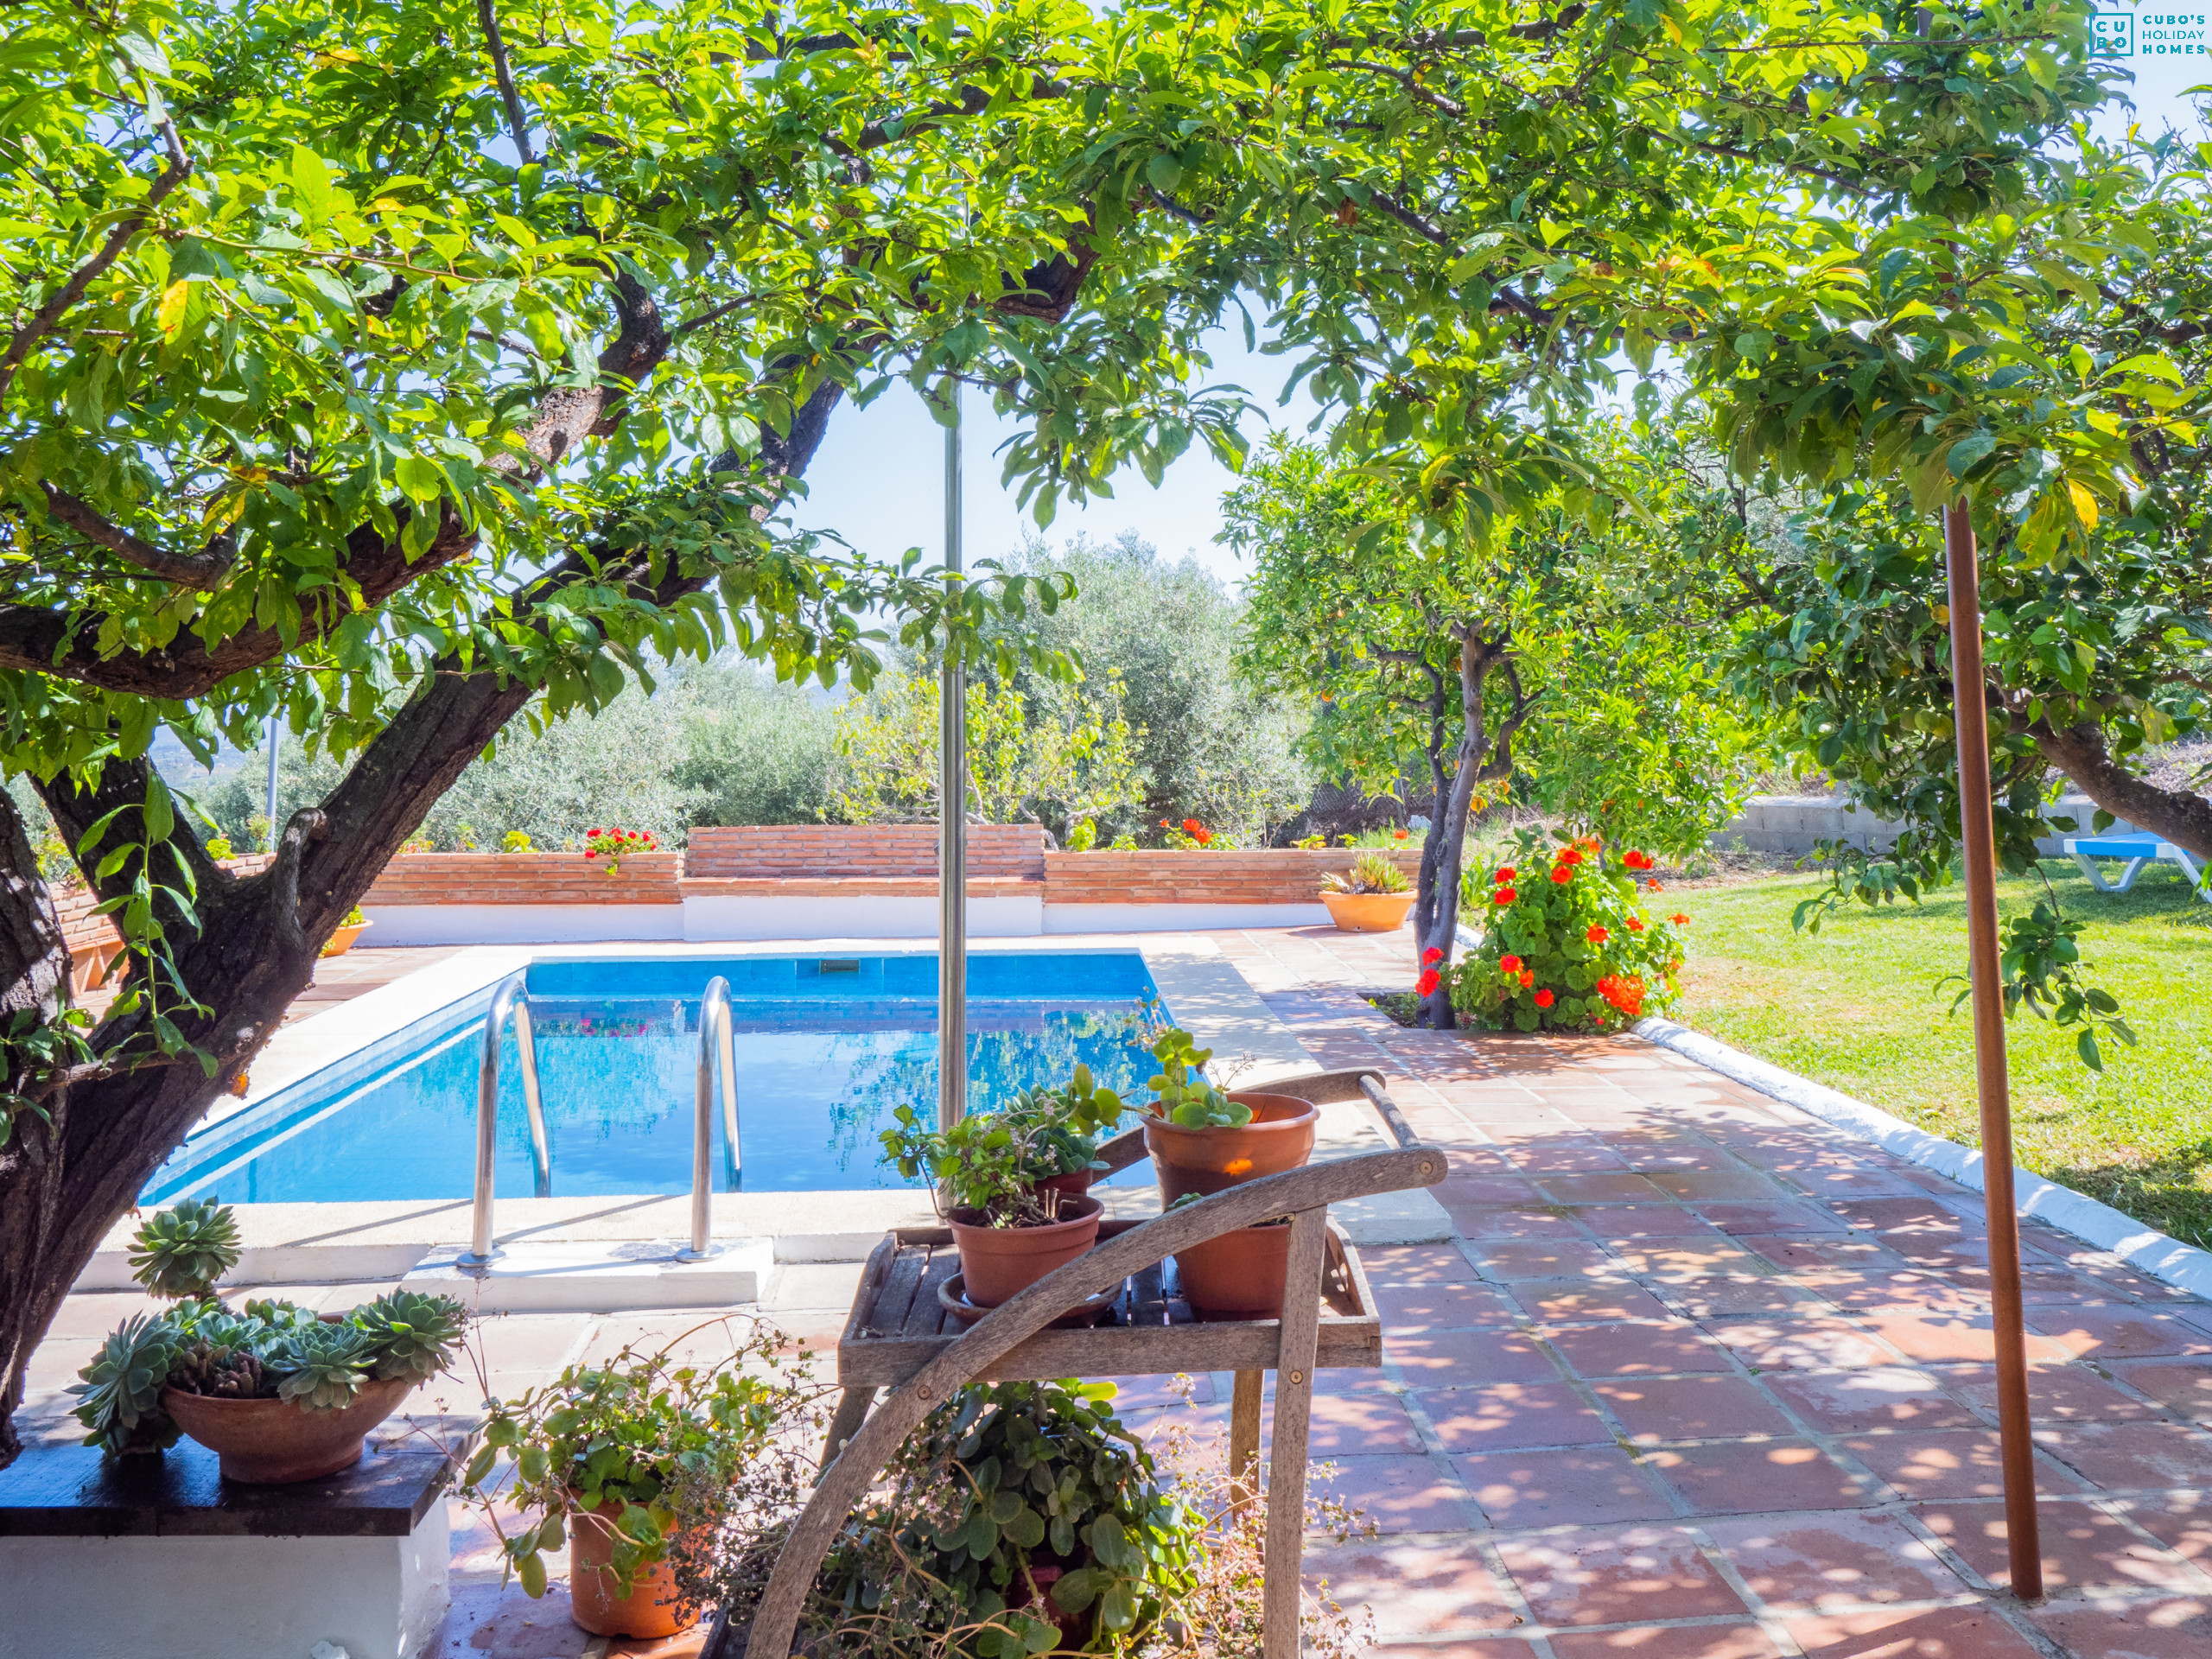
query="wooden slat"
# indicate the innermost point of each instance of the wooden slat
(928, 1317)
(1387, 1109)
(1244, 1440)
(871, 1290)
(1295, 1367)
(888, 1317)
(1120, 1351)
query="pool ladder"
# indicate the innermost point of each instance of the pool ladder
(715, 1038)
(509, 999)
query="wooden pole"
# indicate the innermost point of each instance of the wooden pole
(1244, 1442)
(1977, 834)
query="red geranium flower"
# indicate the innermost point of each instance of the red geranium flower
(1402, 834)
(1529, 978)
(1636, 924)
(1679, 919)
(1508, 965)
(1192, 826)
(1431, 957)
(1505, 873)
(1562, 874)
(1597, 935)
(1425, 983)
(1544, 999)
(1569, 856)
(1503, 896)
(1651, 887)
(1636, 861)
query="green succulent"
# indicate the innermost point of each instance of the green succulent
(412, 1335)
(121, 1390)
(322, 1366)
(281, 1316)
(182, 1250)
(219, 1371)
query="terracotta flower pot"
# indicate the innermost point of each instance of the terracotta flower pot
(276, 1442)
(1368, 912)
(998, 1263)
(1073, 1185)
(1279, 1137)
(341, 940)
(1237, 1276)
(652, 1608)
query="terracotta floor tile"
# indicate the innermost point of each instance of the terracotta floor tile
(1799, 1343)
(1907, 1291)
(1467, 1358)
(1398, 1494)
(2181, 1628)
(2110, 1333)
(1627, 1578)
(1636, 1348)
(1777, 1218)
(1475, 1190)
(2181, 1523)
(1944, 1463)
(1416, 1264)
(1677, 1261)
(1963, 1337)
(1629, 1222)
(1827, 1181)
(1511, 1259)
(2057, 1394)
(2128, 1457)
(1512, 1416)
(487, 1621)
(1881, 1396)
(1495, 1221)
(2183, 1385)
(1734, 1186)
(1414, 1589)
(1594, 1486)
(1849, 1250)
(1720, 1297)
(1759, 1477)
(1918, 1216)
(1360, 1425)
(1692, 1408)
(1936, 1633)
(1826, 1563)
(1571, 1301)
(1617, 1187)
(1669, 1642)
(2082, 1547)
(1419, 1307)
(1564, 1156)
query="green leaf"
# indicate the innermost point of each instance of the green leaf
(1962, 456)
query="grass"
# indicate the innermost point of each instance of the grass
(1857, 1007)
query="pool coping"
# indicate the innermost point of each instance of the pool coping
(611, 1238)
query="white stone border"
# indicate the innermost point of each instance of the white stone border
(2182, 1266)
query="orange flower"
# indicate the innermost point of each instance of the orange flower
(1636, 924)
(1679, 919)
(1652, 886)
(1562, 874)
(1528, 978)
(1508, 965)
(1544, 999)
(1597, 935)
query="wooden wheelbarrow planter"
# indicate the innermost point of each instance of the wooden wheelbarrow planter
(900, 1338)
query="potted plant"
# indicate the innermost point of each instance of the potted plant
(1373, 897)
(1203, 1140)
(635, 1467)
(1020, 1518)
(1003, 1182)
(1237, 1275)
(278, 1392)
(342, 936)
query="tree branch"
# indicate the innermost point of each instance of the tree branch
(203, 572)
(42, 321)
(517, 122)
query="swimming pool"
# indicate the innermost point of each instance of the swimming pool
(827, 1048)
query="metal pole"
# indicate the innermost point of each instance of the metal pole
(714, 1019)
(952, 821)
(276, 737)
(1978, 833)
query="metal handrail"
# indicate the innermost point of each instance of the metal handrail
(715, 1035)
(512, 997)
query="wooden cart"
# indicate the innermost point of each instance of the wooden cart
(900, 1338)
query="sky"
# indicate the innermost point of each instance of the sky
(879, 478)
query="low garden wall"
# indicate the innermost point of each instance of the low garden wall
(93, 940)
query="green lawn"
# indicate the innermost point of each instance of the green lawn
(1857, 1007)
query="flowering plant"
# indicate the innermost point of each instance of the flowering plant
(1189, 836)
(1567, 944)
(616, 845)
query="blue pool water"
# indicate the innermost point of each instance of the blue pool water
(826, 1051)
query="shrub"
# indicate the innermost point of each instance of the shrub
(1370, 873)
(1567, 943)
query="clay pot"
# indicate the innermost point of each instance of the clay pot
(1279, 1137)
(997, 1263)
(652, 1608)
(1073, 1185)
(278, 1442)
(341, 940)
(1237, 1276)
(1368, 912)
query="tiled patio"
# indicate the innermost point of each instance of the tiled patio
(1700, 1378)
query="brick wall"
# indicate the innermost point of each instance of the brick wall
(526, 879)
(1274, 875)
(92, 938)
(1015, 851)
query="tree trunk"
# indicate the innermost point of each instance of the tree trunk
(254, 950)
(2179, 815)
(1445, 849)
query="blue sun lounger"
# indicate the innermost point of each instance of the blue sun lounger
(2137, 850)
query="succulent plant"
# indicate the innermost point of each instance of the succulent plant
(220, 1371)
(413, 1335)
(182, 1250)
(280, 1316)
(121, 1390)
(322, 1366)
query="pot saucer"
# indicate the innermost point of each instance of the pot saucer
(953, 1297)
